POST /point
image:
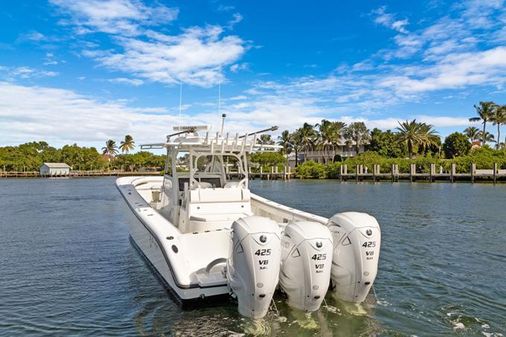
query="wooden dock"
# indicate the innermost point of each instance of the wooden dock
(360, 174)
(474, 175)
(94, 173)
(272, 174)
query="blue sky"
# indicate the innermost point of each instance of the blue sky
(86, 71)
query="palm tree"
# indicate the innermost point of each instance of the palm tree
(127, 145)
(358, 133)
(337, 133)
(285, 140)
(296, 141)
(265, 139)
(329, 135)
(430, 137)
(415, 134)
(323, 140)
(485, 112)
(110, 149)
(307, 136)
(303, 139)
(486, 137)
(498, 118)
(472, 133)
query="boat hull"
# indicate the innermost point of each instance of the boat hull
(154, 248)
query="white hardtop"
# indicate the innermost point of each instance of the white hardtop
(200, 139)
(205, 184)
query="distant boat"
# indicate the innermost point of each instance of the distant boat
(206, 234)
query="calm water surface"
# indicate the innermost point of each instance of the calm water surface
(67, 267)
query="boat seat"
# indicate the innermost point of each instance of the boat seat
(204, 184)
(217, 195)
(204, 222)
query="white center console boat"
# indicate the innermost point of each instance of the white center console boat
(206, 234)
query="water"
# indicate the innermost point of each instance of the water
(67, 267)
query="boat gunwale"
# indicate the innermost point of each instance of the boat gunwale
(156, 238)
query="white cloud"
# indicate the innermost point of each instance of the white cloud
(388, 20)
(238, 67)
(196, 57)
(131, 81)
(453, 71)
(478, 13)
(50, 60)
(61, 116)
(391, 123)
(24, 72)
(33, 36)
(236, 18)
(123, 17)
(460, 30)
(370, 90)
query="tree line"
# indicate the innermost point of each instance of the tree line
(409, 139)
(30, 156)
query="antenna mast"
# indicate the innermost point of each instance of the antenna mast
(219, 109)
(180, 101)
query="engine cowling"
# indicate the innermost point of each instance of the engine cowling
(357, 241)
(306, 261)
(253, 267)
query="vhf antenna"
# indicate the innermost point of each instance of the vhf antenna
(219, 109)
(180, 101)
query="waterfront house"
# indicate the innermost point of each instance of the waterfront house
(54, 169)
(343, 149)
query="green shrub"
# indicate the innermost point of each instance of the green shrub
(311, 170)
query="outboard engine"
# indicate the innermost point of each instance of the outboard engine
(253, 267)
(357, 240)
(306, 261)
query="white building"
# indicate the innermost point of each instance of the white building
(54, 169)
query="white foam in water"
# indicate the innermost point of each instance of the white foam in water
(308, 322)
(492, 334)
(458, 326)
(383, 303)
(257, 327)
(354, 309)
(331, 309)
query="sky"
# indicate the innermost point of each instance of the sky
(87, 71)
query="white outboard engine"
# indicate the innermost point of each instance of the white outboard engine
(253, 267)
(306, 261)
(357, 240)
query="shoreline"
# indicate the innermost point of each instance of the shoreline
(350, 178)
